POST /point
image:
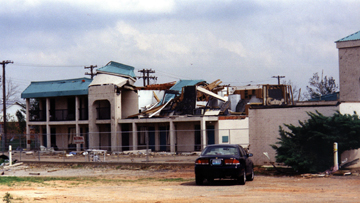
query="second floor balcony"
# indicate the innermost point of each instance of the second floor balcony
(58, 115)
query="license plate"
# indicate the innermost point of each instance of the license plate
(216, 162)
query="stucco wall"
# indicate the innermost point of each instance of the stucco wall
(185, 136)
(129, 103)
(264, 127)
(349, 71)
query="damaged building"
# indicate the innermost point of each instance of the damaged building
(109, 112)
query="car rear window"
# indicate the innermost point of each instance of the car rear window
(221, 151)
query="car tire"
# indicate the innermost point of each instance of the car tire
(251, 176)
(199, 180)
(242, 179)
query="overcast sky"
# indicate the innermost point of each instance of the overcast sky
(239, 42)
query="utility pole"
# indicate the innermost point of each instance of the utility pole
(91, 71)
(147, 77)
(4, 104)
(278, 77)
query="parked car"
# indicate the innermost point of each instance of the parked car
(224, 161)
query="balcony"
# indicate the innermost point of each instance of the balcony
(37, 115)
(62, 115)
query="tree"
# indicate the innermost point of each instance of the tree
(12, 91)
(320, 86)
(309, 146)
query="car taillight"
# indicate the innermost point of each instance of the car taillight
(231, 162)
(202, 162)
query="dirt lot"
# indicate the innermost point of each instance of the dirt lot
(168, 184)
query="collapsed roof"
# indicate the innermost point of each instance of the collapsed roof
(114, 73)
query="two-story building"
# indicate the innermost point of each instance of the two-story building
(104, 112)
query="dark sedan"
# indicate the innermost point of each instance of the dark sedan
(224, 161)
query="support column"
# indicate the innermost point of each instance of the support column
(77, 127)
(134, 137)
(48, 131)
(119, 136)
(157, 138)
(203, 133)
(172, 137)
(27, 124)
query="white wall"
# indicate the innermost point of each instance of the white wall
(146, 97)
(237, 131)
(349, 108)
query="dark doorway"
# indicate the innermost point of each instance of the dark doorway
(151, 131)
(125, 134)
(53, 138)
(164, 132)
(197, 146)
(210, 131)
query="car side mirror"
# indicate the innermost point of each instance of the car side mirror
(249, 155)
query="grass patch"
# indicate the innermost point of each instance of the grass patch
(75, 181)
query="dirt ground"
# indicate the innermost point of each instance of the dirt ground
(169, 184)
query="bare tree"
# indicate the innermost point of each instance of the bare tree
(12, 92)
(320, 86)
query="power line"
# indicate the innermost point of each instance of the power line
(48, 66)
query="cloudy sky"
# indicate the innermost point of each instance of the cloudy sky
(239, 42)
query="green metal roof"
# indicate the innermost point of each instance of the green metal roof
(56, 88)
(352, 37)
(118, 69)
(178, 87)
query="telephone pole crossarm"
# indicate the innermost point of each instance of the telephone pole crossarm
(278, 77)
(146, 76)
(92, 74)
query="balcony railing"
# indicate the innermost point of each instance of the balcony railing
(38, 115)
(62, 115)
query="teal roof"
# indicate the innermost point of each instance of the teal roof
(56, 88)
(352, 37)
(178, 87)
(118, 69)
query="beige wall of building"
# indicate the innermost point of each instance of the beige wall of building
(349, 70)
(185, 136)
(264, 127)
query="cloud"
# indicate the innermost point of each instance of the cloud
(239, 42)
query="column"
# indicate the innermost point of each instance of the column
(134, 136)
(203, 133)
(172, 137)
(48, 131)
(157, 138)
(77, 127)
(27, 124)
